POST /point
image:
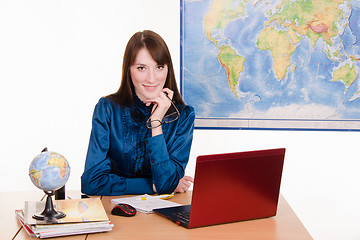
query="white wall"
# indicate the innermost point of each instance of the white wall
(57, 58)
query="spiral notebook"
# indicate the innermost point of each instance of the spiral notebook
(145, 203)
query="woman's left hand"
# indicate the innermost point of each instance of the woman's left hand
(184, 184)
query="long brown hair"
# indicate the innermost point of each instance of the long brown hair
(159, 52)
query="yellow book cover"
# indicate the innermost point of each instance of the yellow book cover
(76, 210)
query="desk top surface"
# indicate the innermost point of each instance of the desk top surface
(285, 225)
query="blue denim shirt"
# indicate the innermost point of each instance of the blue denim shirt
(123, 157)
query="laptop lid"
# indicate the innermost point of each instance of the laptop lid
(236, 186)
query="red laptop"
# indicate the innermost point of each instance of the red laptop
(231, 187)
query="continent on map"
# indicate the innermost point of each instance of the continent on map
(279, 44)
(59, 162)
(316, 19)
(233, 64)
(36, 176)
(218, 17)
(345, 74)
(221, 13)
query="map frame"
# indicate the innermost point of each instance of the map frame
(231, 123)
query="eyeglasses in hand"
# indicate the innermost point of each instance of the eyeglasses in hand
(170, 117)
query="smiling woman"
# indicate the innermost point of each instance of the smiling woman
(125, 154)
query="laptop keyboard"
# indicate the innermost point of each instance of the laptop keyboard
(183, 215)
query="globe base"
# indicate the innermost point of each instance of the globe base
(54, 215)
(49, 213)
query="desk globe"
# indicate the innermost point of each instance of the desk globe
(49, 171)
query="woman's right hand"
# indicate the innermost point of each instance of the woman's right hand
(161, 104)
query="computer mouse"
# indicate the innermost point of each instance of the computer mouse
(123, 209)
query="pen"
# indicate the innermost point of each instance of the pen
(162, 196)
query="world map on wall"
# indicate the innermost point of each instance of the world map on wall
(293, 60)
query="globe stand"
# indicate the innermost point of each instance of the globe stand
(49, 212)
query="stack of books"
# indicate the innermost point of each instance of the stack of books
(82, 216)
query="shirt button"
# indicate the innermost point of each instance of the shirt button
(152, 160)
(149, 151)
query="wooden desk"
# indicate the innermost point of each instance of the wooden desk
(285, 225)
